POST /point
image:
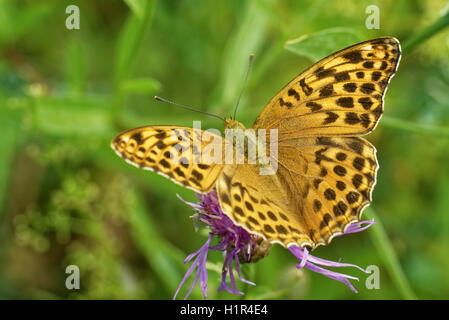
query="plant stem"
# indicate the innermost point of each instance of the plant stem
(388, 255)
(425, 34)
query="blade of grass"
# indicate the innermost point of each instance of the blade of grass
(389, 122)
(130, 39)
(137, 6)
(425, 34)
(388, 255)
(246, 40)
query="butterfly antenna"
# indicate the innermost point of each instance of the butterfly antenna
(251, 56)
(188, 108)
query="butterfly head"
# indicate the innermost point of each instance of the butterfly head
(234, 124)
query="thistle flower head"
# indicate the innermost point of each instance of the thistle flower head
(239, 246)
(234, 242)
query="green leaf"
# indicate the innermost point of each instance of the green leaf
(318, 45)
(73, 116)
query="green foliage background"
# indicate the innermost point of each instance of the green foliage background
(66, 198)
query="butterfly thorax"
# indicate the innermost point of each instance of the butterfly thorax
(234, 124)
(247, 142)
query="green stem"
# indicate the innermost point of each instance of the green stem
(425, 34)
(248, 271)
(164, 259)
(389, 122)
(388, 255)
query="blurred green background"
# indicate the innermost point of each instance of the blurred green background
(66, 198)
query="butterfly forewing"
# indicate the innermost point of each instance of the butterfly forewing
(339, 95)
(172, 151)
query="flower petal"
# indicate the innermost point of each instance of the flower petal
(231, 274)
(200, 263)
(237, 267)
(312, 262)
(359, 226)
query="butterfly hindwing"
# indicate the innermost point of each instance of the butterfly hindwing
(321, 186)
(172, 151)
(332, 178)
(260, 204)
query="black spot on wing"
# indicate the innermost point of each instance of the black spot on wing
(284, 103)
(367, 88)
(324, 73)
(292, 92)
(137, 137)
(327, 90)
(314, 106)
(346, 102)
(331, 117)
(353, 56)
(307, 90)
(342, 76)
(350, 87)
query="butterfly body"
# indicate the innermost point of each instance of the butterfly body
(248, 143)
(324, 173)
(233, 124)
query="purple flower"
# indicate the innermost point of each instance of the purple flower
(238, 245)
(234, 241)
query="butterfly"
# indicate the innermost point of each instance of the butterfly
(326, 172)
